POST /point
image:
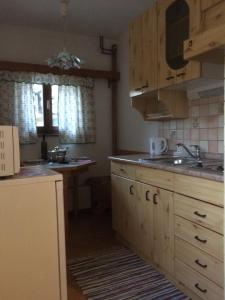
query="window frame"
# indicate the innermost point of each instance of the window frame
(48, 128)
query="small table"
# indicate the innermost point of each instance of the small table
(70, 172)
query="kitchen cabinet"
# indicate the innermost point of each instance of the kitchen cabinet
(163, 253)
(142, 52)
(123, 207)
(177, 20)
(177, 228)
(207, 43)
(32, 239)
(143, 216)
(199, 237)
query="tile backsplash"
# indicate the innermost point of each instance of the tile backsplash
(204, 127)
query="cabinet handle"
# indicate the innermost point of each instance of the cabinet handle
(169, 77)
(200, 240)
(122, 170)
(201, 265)
(181, 74)
(199, 215)
(131, 190)
(146, 196)
(155, 198)
(200, 289)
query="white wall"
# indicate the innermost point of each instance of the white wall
(134, 132)
(22, 44)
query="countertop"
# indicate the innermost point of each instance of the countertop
(180, 169)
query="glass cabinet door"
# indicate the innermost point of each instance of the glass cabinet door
(177, 30)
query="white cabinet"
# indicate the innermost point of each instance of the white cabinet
(32, 241)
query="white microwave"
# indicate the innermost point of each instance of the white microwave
(9, 151)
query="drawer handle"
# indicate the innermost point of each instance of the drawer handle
(200, 289)
(181, 74)
(131, 190)
(155, 198)
(200, 240)
(169, 77)
(122, 170)
(147, 196)
(199, 215)
(201, 265)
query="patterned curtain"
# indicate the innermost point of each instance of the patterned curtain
(17, 108)
(24, 113)
(76, 115)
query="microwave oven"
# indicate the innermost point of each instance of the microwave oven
(9, 151)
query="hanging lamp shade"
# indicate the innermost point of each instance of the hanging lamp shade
(64, 59)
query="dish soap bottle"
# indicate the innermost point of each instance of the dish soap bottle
(44, 148)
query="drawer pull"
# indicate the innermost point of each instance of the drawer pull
(169, 77)
(200, 289)
(199, 215)
(201, 265)
(122, 170)
(155, 198)
(147, 196)
(181, 74)
(131, 190)
(200, 240)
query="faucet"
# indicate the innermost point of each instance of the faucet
(197, 154)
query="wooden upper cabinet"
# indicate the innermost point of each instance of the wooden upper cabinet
(206, 4)
(142, 52)
(177, 20)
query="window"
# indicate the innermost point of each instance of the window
(46, 108)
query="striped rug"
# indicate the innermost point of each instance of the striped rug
(121, 275)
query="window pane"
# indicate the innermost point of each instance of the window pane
(38, 104)
(55, 95)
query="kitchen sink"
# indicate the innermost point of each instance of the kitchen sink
(204, 165)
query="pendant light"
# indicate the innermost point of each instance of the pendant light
(64, 60)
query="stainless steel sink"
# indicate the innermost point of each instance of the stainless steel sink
(204, 165)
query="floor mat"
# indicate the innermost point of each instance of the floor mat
(121, 275)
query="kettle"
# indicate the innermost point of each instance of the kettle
(158, 145)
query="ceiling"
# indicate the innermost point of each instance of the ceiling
(89, 17)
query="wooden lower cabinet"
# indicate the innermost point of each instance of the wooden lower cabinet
(143, 216)
(123, 207)
(174, 221)
(163, 230)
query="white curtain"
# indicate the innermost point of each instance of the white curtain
(76, 115)
(24, 112)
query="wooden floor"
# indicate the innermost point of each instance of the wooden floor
(88, 234)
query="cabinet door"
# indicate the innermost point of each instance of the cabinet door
(143, 52)
(166, 75)
(149, 43)
(135, 54)
(144, 215)
(29, 252)
(123, 207)
(177, 20)
(163, 229)
(192, 69)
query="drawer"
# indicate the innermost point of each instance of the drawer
(202, 213)
(200, 285)
(199, 188)
(205, 239)
(200, 261)
(155, 177)
(124, 170)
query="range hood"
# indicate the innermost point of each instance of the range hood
(162, 105)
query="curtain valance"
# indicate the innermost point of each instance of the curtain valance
(38, 78)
